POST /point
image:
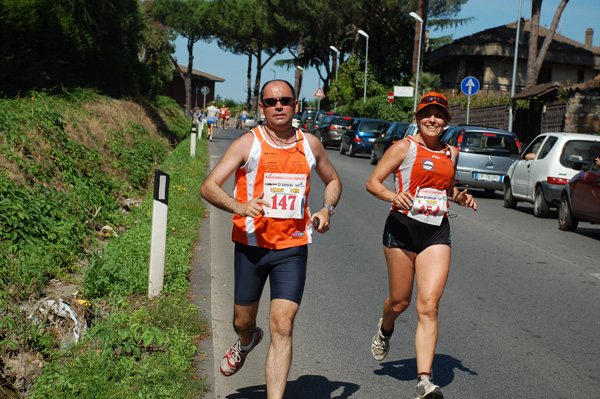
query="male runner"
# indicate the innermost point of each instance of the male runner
(211, 118)
(272, 226)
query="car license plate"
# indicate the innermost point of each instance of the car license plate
(371, 140)
(486, 177)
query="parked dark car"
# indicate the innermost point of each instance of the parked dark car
(580, 199)
(331, 130)
(361, 134)
(307, 116)
(485, 155)
(322, 116)
(390, 135)
(312, 119)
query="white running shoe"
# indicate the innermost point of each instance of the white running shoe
(234, 359)
(380, 344)
(426, 389)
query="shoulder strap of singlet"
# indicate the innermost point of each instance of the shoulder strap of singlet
(258, 134)
(412, 140)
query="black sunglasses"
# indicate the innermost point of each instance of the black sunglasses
(430, 99)
(271, 102)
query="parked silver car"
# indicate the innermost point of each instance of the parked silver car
(485, 155)
(546, 165)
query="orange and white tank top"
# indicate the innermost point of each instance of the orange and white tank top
(283, 174)
(424, 169)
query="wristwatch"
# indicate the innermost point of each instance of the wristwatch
(331, 209)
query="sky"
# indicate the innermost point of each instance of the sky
(577, 16)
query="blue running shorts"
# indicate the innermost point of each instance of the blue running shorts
(286, 269)
(211, 120)
(411, 235)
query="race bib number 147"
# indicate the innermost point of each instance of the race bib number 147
(286, 192)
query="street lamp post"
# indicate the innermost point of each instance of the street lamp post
(274, 74)
(337, 54)
(300, 90)
(363, 33)
(514, 74)
(418, 18)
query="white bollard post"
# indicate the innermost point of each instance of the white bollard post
(158, 241)
(193, 141)
(201, 128)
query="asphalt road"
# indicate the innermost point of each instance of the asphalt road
(519, 317)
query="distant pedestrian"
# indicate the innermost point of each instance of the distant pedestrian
(222, 114)
(196, 115)
(243, 117)
(211, 119)
(416, 236)
(272, 226)
(227, 117)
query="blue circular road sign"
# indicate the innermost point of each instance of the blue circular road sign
(469, 85)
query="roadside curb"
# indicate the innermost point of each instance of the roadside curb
(200, 288)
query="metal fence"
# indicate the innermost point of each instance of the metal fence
(496, 116)
(527, 123)
(553, 119)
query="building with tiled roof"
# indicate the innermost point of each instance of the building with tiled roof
(176, 88)
(489, 56)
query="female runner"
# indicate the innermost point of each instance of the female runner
(416, 236)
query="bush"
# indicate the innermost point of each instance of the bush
(380, 108)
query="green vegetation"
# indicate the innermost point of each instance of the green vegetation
(305, 30)
(142, 350)
(78, 43)
(72, 169)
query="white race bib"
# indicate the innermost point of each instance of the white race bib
(287, 194)
(429, 206)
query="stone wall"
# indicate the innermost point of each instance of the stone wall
(583, 111)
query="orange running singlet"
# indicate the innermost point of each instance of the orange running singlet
(283, 174)
(424, 168)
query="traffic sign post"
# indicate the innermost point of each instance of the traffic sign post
(390, 97)
(319, 94)
(469, 86)
(204, 90)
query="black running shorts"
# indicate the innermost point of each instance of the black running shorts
(286, 269)
(411, 235)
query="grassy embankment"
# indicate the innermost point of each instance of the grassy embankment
(76, 179)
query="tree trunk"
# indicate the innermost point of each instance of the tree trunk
(188, 77)
(178, 69)
(422, 9)
(249, 82)
(535, 59)
(258, 76)
(536, 6)
(259, 67)
(298, 75)
(548, 39)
